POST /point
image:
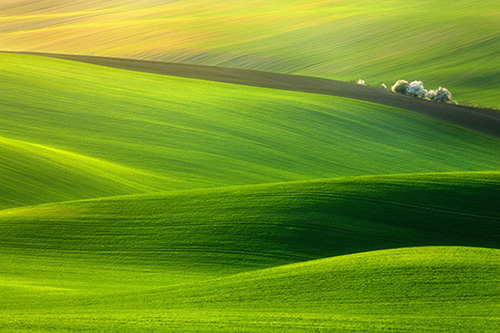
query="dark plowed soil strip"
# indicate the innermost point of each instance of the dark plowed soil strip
(484, 120)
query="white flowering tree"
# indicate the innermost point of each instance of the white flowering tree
(416, 89)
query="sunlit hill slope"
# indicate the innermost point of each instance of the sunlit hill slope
(449, 43)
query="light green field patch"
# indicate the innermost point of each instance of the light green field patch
(32, 174)
(446, 289)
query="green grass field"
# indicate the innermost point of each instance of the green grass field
(265, 225)
(202, 134)
(199, 260)
(449, 43)
(419, 289)
(141, 202)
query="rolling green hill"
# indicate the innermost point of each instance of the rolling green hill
(421, 287)
(33, 173)
(450, 43)
(180, 133)
(142, 202)
(441, 289)
(265, 225)
(475, 118)
(124, 244)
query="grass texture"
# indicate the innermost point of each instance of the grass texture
(448, 43)
(248, 258)
(149, 132)
(265, 225)
(139, 202)
(32, 172)
(440, 289)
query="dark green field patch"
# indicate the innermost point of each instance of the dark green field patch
(252, 227)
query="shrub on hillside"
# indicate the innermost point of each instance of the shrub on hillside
(400, 87)
(416, 89)
(442, 95)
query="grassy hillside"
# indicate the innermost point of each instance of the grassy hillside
(449, 43)
(453, 288)
(205, 207)
(221, 231)
(475, 118)
(33, 173)
(445, 289)
(184, 134)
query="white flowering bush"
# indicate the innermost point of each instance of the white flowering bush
(401, 86)
(441, 94)
(416, 89)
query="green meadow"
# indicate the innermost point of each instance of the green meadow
(142, 202)
(442, 43)
(108, 132)
(441, 289)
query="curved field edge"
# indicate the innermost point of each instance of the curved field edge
(226, 230)
(487, 121)
(445, 289)
(196, 133)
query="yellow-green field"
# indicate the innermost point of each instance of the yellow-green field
(449, 43)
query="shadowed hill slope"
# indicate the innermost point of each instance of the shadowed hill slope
(241, 228)
(487, 121)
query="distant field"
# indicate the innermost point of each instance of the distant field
(449, 43)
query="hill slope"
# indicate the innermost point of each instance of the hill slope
(483, 120)
(453, 288)
(252, 227)
(33, 174)
(445, 289)
(449, 43)
(194, 133)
